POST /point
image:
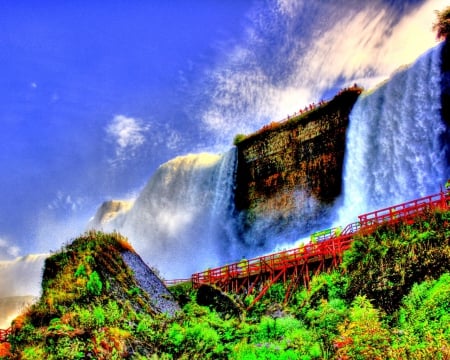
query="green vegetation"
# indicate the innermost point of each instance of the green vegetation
(239, 138)
(389, 300)
(442, 24)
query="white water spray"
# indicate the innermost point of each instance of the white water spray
(182, 220)
(394, 152)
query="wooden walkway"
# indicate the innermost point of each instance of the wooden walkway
(297, 265)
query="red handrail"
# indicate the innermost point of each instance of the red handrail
(406, 209)
(4, 335)
(332, 243)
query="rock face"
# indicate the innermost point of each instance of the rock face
(304, 153)
(162, 300)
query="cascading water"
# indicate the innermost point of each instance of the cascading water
(394, 149)
(222, 221)
(182, 220)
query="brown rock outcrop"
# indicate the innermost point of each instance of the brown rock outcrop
(304, 153)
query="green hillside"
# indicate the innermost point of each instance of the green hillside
(389, 300)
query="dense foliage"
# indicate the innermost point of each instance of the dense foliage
(442, 24)
(390, 300)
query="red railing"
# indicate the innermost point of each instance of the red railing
(176, 281)
(273, 262)
(327, 244)
(405, 210)
(4, 335)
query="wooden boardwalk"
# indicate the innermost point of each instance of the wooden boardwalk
(323, 253)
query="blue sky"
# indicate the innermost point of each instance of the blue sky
(95, 95)
(67, 70)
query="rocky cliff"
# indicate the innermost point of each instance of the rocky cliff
(301, 154)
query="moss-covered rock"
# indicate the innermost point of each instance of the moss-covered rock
(218, 301)
(93, 294)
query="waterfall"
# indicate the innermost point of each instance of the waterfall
(394, 149)
(182, 220)
(222, 221)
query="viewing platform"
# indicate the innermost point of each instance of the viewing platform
(323, 253)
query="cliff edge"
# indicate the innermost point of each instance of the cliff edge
(304, 153)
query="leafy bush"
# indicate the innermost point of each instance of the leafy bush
(113, 312)
(81, 270)
(363, 335)
(94, 285)
(424, 320)
(239, 138)
(99, 316)
(69, 348)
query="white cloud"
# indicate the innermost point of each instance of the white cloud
(127, 131)
(66, 202)
(369, 46)
(8, 251)
(289, 7)
(128, 134)
(284, 65)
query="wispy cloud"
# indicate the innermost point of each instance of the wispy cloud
(66, 202)
(7, 250)
(296, 50)
(128, 134)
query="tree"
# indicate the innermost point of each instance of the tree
(442, 25)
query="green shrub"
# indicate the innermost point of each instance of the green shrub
(81, 271)
(176, 336)
(134, 291)
(67, 348)
(424, 319)
(99, 316)
(363, 336)
(86, 319)
(145, 328)
(113, 312)
(33, 353)
(94, 284)
(239, 138)
(245, 351)
(202, 338)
